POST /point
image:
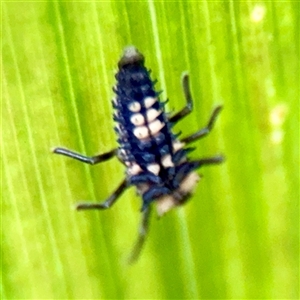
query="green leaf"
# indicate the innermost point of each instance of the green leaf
(238, 237)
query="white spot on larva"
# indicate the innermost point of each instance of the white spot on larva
(189, 182)
(167, 202)
(167, 161)
(178, 145)
(114, 100)
(149, 101)
(156, 126)
(134, 169)
(164, 204)
(134, 106)
(152, 114)
(153, 168)
(141, 132)
(137, 119)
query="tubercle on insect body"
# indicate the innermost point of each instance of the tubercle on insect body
(156, 161)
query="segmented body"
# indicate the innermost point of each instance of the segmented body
(155, 160)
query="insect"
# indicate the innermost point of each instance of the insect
(156, 160)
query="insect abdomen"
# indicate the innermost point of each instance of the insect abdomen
(144, 133)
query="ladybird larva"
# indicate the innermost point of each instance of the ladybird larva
(156, 160)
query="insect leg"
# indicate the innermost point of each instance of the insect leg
(143, 230)
(108, 202)
(86, 159)
(189, 101)
(215, 160)
(206, 130)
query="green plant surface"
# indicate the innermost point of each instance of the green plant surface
(237, 238)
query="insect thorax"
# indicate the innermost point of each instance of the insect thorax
(156, 161)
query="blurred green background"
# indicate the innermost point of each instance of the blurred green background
(238, 237)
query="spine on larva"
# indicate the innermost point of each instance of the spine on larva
(147, 146)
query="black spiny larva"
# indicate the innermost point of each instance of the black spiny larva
(156, 160)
